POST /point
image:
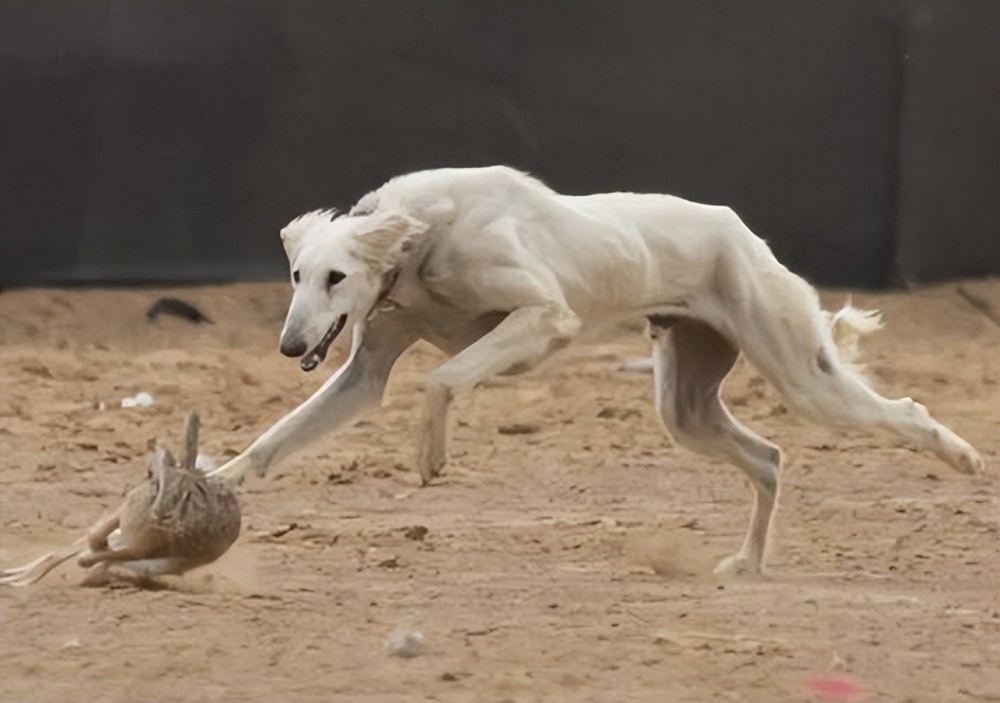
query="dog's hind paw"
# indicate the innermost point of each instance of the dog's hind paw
(958, 453)
(737, 565)
(971, 463)
(430, 460)
(429, 470)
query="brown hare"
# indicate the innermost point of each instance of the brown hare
(175, 520)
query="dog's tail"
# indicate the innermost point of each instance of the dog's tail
(847, 327)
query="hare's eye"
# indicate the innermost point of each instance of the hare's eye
(295, 276)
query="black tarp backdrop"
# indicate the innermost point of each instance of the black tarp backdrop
(169, 140)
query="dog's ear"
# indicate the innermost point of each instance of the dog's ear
(386, 238)
(292, 233)
(291, 238)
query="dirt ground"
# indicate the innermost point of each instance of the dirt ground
(571, 563)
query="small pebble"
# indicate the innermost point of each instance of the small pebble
(416, 533)
(404, 643)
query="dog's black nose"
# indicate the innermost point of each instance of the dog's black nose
(293, 347)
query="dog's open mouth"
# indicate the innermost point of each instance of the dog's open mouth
(312, 359)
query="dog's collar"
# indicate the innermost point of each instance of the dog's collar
(383, 303)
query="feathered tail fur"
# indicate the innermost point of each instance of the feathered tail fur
(847, 326)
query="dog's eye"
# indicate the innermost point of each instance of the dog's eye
(295, 276)
(334, 278)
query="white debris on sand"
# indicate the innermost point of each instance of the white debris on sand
(404, 643)
(140, 400)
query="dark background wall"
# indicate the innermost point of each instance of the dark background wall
(169, 140)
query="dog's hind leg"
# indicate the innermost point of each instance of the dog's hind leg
(521, 341)
(837, 396)
(690, 360)
(791, 346)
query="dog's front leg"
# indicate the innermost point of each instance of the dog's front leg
(525, 338)
(356, 386)
(349, 391)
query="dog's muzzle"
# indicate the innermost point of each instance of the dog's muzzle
(313, 358)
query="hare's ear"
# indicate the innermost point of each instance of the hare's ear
(162, 466)
(191, 427)
(387, 238)
(151, 457)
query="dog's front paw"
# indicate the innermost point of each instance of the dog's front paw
(228, 474)
(234, 471)
(259, 467)
(957, 452)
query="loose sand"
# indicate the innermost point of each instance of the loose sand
(571, 563)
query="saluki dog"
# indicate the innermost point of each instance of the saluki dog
(499, 271)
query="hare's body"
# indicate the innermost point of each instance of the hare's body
(197, 520)
(175, 520)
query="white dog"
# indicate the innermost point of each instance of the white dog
(500, 272)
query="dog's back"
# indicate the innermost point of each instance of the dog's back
(609, 251)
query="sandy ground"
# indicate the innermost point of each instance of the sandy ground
(569, 564)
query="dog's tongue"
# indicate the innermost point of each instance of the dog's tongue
(312, 359)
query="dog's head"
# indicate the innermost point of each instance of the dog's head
(341, 268)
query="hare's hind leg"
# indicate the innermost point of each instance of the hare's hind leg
(30, 573)
(125, 553)
(96, 541)
(165, 566)
(140, 572)
(97, 536)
